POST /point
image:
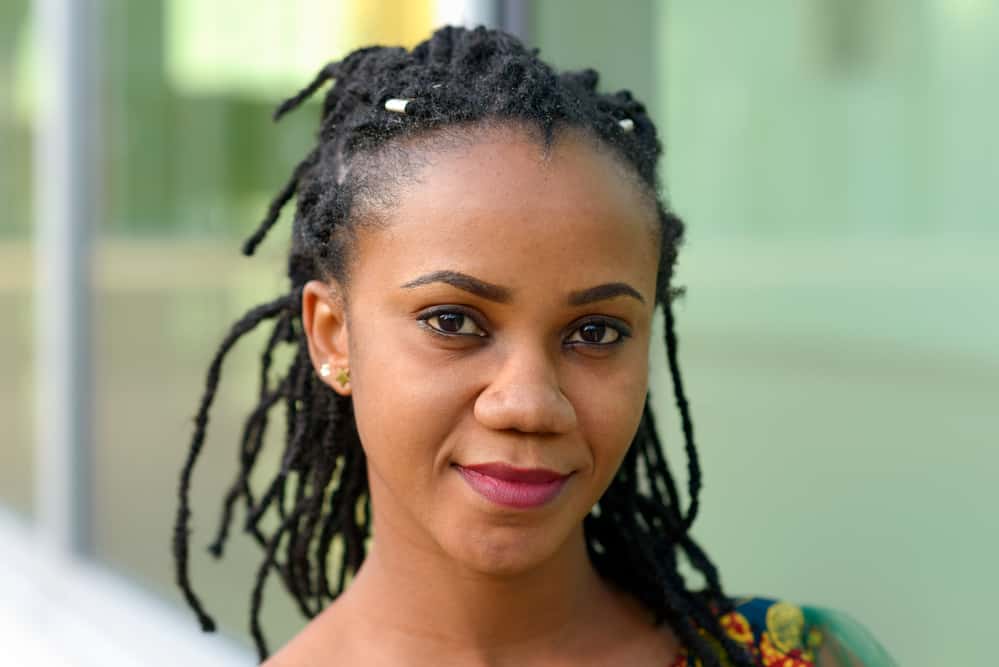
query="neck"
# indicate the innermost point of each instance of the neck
(423, 603)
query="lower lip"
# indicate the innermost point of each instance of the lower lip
(520, 495)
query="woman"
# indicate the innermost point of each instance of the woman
(477, 255)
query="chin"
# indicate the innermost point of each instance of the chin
(504, 551)
(500, 562)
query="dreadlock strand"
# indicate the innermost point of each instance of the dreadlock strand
(623, 506)
(253, 446)
(181, 530)
(309, 475)
(299, 422)
(270, 495)
(678, 605)
(277, 205)
(322, 474)
(353, 546)
(347, 449)
(325, 74)
(273, 492)
(253, 435)
(693, 466)
(257, 596)
(329, 530)
(700, 561)
(291, 569)
(656, 463)
(276, 492)
(254, 425)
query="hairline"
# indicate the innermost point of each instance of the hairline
(377, 175)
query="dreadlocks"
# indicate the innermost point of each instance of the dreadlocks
(457, 78)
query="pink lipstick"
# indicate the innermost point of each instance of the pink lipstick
(521, 488)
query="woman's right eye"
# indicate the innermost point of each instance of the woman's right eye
(452, 323)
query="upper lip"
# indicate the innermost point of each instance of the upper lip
(510, 473)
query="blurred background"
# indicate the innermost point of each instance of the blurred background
(836, 162)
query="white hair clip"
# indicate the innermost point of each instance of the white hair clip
(396, 104)
(626, 124)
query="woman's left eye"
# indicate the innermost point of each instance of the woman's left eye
(453, 323)
(597, 333)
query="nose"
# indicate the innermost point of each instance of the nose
(525, 396)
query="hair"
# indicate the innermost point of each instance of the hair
(458, 78)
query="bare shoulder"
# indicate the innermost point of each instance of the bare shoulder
(303, 652)
(324, 642)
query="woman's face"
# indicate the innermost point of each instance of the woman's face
(501, 315)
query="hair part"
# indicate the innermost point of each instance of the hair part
(458, 82)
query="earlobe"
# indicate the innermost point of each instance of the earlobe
(324, 323)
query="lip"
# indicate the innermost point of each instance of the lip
(521, 488)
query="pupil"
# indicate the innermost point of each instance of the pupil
(451, 322)
(593, 333)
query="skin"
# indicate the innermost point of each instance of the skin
(451, 578)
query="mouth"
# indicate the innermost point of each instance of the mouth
(520, 488)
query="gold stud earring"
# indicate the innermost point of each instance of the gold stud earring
(324, 370)
(343, 377)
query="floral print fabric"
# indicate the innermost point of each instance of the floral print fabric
(773, 631)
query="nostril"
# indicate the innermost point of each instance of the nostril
(525, 409)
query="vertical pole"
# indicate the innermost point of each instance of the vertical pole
(469, 13)
(65, 182)
(515, 18)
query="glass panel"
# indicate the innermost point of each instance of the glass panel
(16, 262)
(598, 31)
(836, 164)
(193, 160)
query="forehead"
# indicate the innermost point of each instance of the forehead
(576, 167)
(498, 199)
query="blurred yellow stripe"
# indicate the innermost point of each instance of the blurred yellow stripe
(388, 22)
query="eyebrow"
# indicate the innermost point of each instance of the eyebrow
(501, 294)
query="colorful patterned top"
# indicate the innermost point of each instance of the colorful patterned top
(780, 634)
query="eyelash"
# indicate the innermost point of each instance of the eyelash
(622, 331)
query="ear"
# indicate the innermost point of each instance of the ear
(324, 321)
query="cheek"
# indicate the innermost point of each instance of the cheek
(404, 406)
(609, 411)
